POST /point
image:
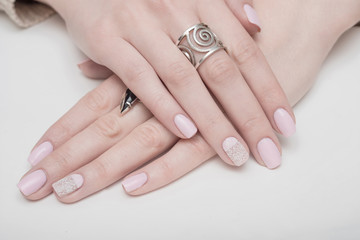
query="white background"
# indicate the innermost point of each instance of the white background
(313, 195)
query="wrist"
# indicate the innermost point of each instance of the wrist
(54, 4)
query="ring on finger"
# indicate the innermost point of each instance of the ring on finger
(198, 43)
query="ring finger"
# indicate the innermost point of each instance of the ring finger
(225, 81)
(185, 84)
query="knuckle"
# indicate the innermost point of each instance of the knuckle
(167, 171)
(102, 169)
(214, 121)
(179, 74)
(244, 51)
(59, 132)
(149, 136)
(198, 146)
(138, 72)
(221, 70)
(162, 103)
(108, 126)
(252, 123)
(271, 97)
(97, 100)
(61, 160)
(162, 5)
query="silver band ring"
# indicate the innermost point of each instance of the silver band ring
(201, 40)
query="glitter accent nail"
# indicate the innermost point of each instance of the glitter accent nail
(68, 184)
(235, 150)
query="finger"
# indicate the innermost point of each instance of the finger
(144, 143)
(93, 70)
(261, 79)
(222, 76)
(246, 14)
(96, 103)
(81, 149)
(185, 84)
(143, 81)
(185, 156)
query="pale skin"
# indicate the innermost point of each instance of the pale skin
(136, 40)
(109, 152)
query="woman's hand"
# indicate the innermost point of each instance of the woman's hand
(136, 40)
(99, 146)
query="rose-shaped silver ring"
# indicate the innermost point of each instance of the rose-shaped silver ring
(198, 43)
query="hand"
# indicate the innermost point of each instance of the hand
(101, 147)
(136, 40)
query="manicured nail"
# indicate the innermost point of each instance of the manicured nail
(40, 152)
(284, 122)
(269, 153)
(82, 63)
(134, 182)
(68, 184)
(185, 125)
(252, 16)
(235, 151)
(32, 182)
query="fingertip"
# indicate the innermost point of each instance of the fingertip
(81, 64)
(246, 15)
(252, 16)
(285, 122)
(237, 152)
(269, 153)
(185, 126)
(134, 182)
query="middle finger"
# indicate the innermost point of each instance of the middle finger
(185, 84)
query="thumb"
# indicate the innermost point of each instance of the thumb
(246, 14)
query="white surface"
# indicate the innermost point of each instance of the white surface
(314, 195)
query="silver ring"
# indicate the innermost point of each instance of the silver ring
(199, 42)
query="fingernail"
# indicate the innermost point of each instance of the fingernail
(235, 151)
(68, 184)
(252, 16)
(40, 152)
(134, 182)
(269, 153)
(185, 125)
(32, 182)
(82, 63)
(284, 122)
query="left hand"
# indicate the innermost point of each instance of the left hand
(135, 39)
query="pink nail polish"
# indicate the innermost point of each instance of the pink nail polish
(269, 153)
(32, 182)
(252, 16)
(134, 182)
(40, 152)
(68, 184)
(235, 151)
(185, 125)
(284, 122)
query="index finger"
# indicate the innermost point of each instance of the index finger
(96, 103)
